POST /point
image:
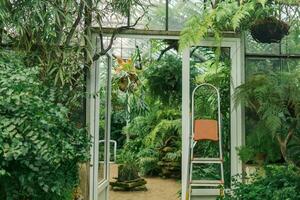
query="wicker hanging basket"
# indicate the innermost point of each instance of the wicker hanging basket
(269, 30)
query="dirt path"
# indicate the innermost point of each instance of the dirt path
(158, 189)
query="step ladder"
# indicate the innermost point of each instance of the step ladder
(206, 130)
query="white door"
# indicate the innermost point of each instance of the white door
(233, 46)
(98, 119)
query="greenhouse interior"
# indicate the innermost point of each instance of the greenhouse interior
(150, 100)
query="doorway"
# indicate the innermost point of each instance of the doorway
(101, 158)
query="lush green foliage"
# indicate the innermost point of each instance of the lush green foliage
(232, 15)
(273, 101)
(155, 139)
(226, 15)
(39, 146)
(164, 79)
(279, 182)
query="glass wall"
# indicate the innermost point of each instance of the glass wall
(263, 61)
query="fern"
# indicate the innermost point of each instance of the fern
(227, 15)
(164, 130)
(275, 98)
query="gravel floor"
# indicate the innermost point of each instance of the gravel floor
(158, 189)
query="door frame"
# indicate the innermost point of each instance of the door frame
(237, 114)
(97, 190)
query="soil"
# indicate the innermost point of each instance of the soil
(158, 189)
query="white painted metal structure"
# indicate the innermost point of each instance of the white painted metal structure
(205, 160)
(98, 190)
(237, 129)
(101, 191)
(115, 150)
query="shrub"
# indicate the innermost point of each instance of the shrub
(164, 79)
(279, 183)
(39, 146)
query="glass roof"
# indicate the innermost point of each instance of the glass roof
(170, 15)
(159, 14)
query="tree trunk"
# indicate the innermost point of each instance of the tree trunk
(283, 145)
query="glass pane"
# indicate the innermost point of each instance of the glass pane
(181, 10)
(254, 47)
(291, 43)
(262, 145)
(206, 69)
(103, 69)
(109, 18)
(155, 17)
(126, 47)
(268, 65)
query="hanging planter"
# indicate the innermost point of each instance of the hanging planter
(130, 79)
(269, 30)
(123, 84)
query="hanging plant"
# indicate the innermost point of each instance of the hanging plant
(258, 16)
(269, 30)
(128, 75)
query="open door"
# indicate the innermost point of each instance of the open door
(193, 56)
(98, 119)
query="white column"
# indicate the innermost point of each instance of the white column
(185, 122)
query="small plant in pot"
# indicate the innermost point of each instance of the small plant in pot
(128, 175)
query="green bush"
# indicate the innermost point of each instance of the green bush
(279, 183)
(164, 79)
(40, 147)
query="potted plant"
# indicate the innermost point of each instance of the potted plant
(128, 175)
(259, 16)
(268, 27)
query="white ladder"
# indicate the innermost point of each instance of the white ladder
(212, 125)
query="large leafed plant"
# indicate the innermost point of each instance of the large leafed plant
(40, 146)
(275, 100)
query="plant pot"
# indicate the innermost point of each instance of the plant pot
(269, 30)
(123, 84)
(260, 158)
(133, 77)
(252, 169)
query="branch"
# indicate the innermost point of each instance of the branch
(75, 24)
(113, 37)
(289, 136)
(163, 52)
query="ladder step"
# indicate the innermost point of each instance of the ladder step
(207, 160)
(213, 183)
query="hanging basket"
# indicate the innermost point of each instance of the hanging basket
(269, 30)
(124, 81)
